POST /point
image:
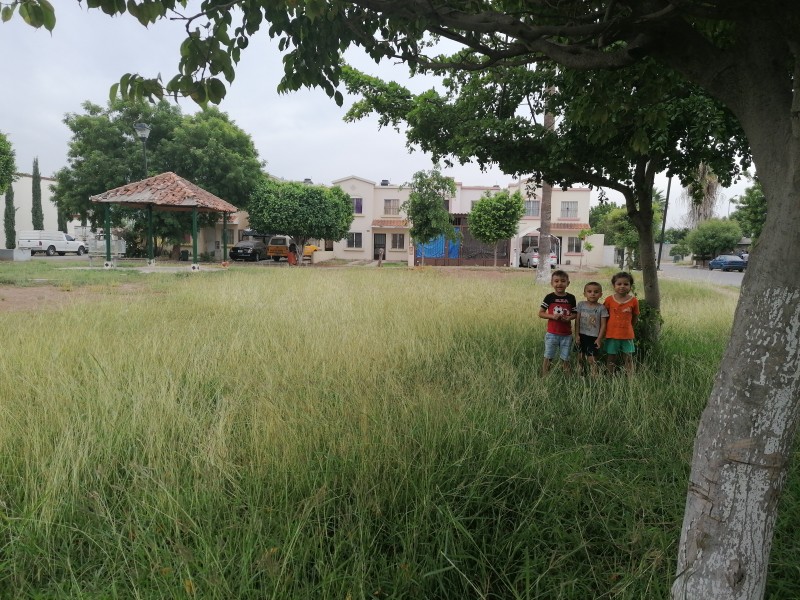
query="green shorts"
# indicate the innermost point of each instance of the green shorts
(619, 346)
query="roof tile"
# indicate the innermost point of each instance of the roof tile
(167, 191)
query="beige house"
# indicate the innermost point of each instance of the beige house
(379, 224)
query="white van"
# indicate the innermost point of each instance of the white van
(49, 242)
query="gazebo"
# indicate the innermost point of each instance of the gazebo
(167, 192)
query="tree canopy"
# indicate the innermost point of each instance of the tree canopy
(495, 217)
(714, 236)
(300, 210)
(206, 148)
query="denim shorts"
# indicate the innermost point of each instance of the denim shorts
(553, 342)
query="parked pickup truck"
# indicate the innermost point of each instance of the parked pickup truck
(49, 242)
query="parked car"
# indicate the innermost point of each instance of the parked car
(278, 247)
(727, 262)
(248, 250)
(49, 242)
(530, 258)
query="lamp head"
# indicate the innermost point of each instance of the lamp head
(142, 130)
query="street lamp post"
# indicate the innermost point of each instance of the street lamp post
(143, 131)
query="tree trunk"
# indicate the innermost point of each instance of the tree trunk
(640, 212)
(545, 210)
(495, 254)
(647, 258)
(745, 436)
(546, 214)
(746, 432)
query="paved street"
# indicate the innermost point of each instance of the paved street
(685, 273)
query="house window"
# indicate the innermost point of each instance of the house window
(398, 241)
(573, 244)
(446, 204)
(391, 206)
(532, 208)
(354, 239)
(357, 205)
(569, 209)
(472, 205)
(530, 240)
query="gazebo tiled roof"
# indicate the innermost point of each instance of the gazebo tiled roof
(167, 191)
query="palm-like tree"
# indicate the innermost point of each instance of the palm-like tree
(701, 198)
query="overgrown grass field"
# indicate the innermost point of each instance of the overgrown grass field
(342, 433)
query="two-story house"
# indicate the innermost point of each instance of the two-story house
(380, 225)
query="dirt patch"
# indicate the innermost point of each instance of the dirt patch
(39, 297)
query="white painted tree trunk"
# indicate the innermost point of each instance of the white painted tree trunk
(747, 430)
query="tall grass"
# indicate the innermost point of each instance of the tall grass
(340, 433)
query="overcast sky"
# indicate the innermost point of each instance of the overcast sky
(299, 135)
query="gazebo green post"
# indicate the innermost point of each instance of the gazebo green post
(224, 236)
(150, 257)
(195, 264)
(108, 235)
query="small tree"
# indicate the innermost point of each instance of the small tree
(7, 164)
(37, 214)
(301, 211)
(10, 219)
(426, 210)
(714, 236)
(617, 224)
(679, 250)
(582, 235)
(61, 217)
(751, 211)
(495, 217)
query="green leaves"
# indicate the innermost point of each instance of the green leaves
(714, 237)
(300, 210)
(425, 206)
(36, 13)
(495, 217)
(7, 163)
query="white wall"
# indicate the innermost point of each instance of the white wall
(23, 202)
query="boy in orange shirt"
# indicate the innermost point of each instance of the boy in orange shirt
(623, 312)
